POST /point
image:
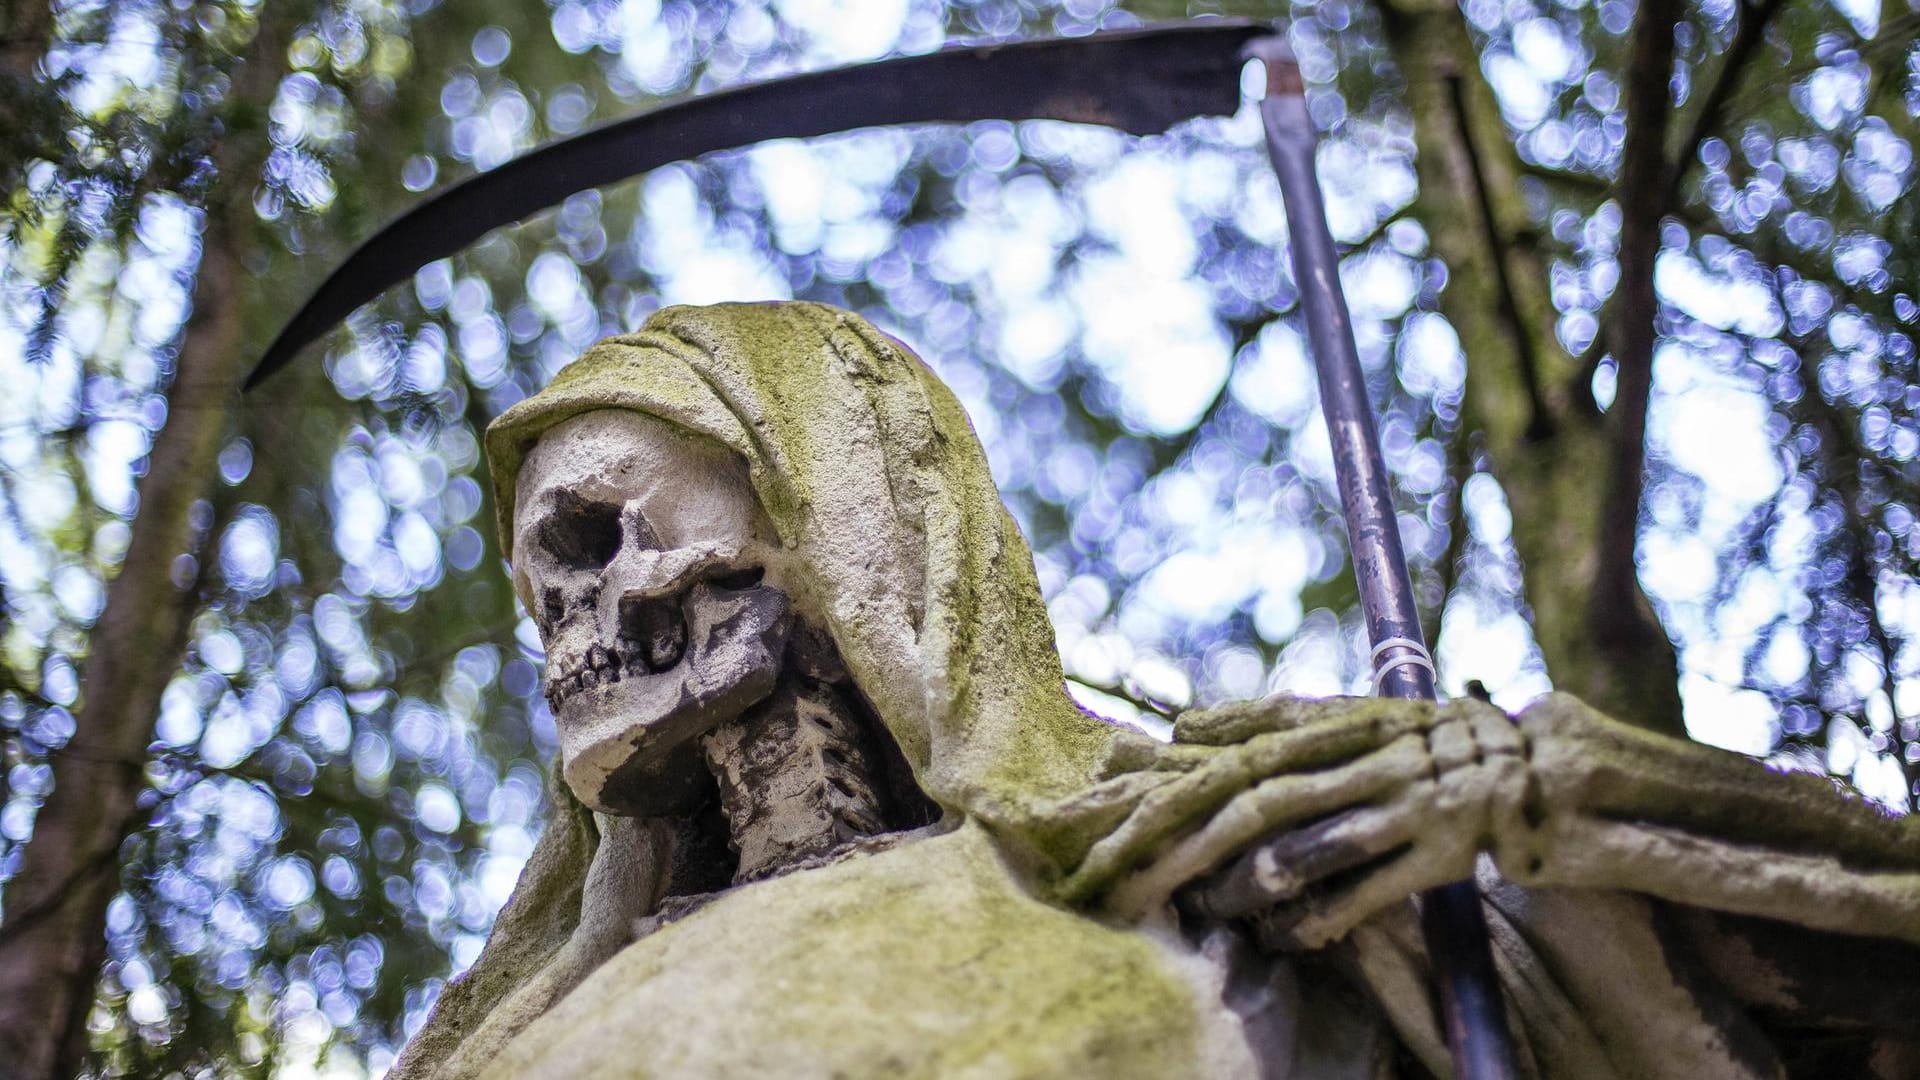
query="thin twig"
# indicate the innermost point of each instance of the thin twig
(1753, 26)
(1614, 607)
(1459, 471)
(19, 922)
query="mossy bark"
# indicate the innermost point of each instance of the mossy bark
(54, 942)
(1527, 400)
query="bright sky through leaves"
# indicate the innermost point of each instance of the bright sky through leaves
(347, 769)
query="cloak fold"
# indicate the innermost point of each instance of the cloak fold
(895, 535)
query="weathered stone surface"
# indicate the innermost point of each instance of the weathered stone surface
(784, 519)
(924, 960)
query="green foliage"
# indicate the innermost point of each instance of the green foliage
(346, 770)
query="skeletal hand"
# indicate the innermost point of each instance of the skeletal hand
(1309, 817)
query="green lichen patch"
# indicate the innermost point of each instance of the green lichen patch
(925, 960)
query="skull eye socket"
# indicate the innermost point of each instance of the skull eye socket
(579, 534)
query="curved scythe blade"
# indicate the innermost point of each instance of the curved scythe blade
(1140, 81)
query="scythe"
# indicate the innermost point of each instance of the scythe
(1139, 81)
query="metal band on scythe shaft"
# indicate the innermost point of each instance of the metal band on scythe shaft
(1139, 81)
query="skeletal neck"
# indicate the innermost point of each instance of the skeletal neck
(796, 778)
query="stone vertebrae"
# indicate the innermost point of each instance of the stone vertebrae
(795, 778)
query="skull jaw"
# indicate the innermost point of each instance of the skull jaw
(631, 747)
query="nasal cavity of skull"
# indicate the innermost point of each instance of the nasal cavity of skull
(581, 534)
(657, 627)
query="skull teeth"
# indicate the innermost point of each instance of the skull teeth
(604, 666)
(651, 637)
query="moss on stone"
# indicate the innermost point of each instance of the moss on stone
(972, 950)
(925, 960)
(946, 956)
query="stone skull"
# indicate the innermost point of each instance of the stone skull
(650, 571)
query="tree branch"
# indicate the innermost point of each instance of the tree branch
(23, 40)
(27, 102)
(1459, 471)
(1733, 65)
(48, 975)
(1463, 169)
(1838, 448)
(1614, 613)
(1540, 424)
(19, 922)
(1894, 35)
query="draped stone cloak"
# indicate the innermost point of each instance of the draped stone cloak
(941, 956)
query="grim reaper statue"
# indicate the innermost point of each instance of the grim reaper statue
(827, 810)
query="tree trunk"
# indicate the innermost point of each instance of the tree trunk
(53, 941)
(24, 28)
(1552, 451)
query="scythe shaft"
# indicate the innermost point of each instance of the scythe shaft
(1453, 923)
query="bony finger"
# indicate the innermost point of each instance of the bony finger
(1323, 916)
(1163, 811)
(1284, 868)
(1210, 794)
(1276, 804)
(1241, 721)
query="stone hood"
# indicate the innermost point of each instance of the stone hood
(880, 493)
